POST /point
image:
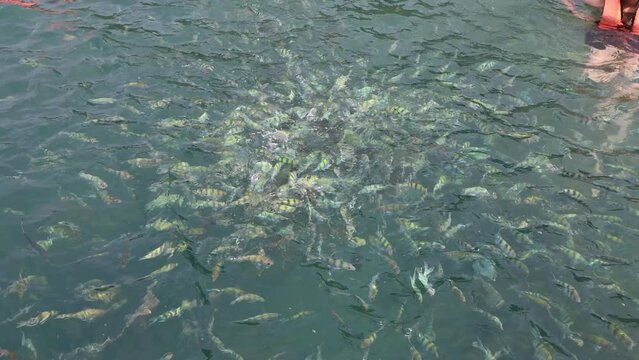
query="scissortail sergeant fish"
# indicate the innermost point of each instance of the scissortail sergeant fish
(428, 343)
(380, 241)
(443, 180)
(84, 315)
(415, 186)
(89, 350)
(94, 180)
(177, 312)
(144, 162)
(260, 259)
(36, 246)
(414, 353)
(257, 319)
(543, 350)
(164, 269)
(538, 299)
(336, 264)
(574, 194)
(457, 291)
(488, 354)
(250, 298)
(492, 318)
(575, 257)
(213, 293)
(165, 249)
(368, 340)
(209, 192)
(599, 341)
(373, 188)
(505, 247)
(124, 175)
(464, 255)
(222, 348)
(150, 302)
(608, 260)
(372, 288)
(391, 263)
(621, 336)
(216, 270)
(568, 289)
(299, 315)
(39, 319)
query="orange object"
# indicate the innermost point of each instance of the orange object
(611, 18)
(22, 3)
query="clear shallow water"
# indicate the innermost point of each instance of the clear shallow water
(226, 131)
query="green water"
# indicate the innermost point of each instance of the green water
(296, 151)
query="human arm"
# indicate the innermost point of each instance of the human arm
(25, 4)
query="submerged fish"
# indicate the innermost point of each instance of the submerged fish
(457, 291)
(165, 249)
(368, 340)
(336, 264)
(492, 318)
(260, 260)
(94, 180)
(250, 298)
(488, 354)
(569, 290)
(28, 343)
(372, 288)
(84, 315)
(599, 342)
(186, 305)
(164, 269)
(485, 268)
(257, 319)
(621, 336)
(427, 341)
(476, 191)
(39, 319)
(538, 299)
(102, 101)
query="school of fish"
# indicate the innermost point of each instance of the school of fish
(351, 214)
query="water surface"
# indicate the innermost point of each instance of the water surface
(160, 160)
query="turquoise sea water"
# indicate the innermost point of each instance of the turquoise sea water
(171, 170)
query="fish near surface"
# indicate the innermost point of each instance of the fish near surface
(260, 260)
(257, 319)
(84, 315)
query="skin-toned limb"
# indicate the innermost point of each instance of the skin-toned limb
(611, 16)
(22, 3)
